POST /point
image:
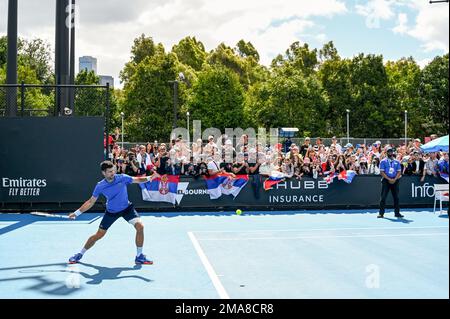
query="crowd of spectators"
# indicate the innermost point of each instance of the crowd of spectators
(311, 159)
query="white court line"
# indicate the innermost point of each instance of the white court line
(313, 229)
(321, 237)
(209, 269)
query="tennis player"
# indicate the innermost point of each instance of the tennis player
(114, 188)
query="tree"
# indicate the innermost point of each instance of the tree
(142, 48)
(299, 57)
(434, 95)
(334, 74)
(289, 99)
(329, 52)
(190, 52)
(225, 56)
(246, 49)
(36, 54)
(403, 80)
(217, 99)
(147, 98)
(370, 112)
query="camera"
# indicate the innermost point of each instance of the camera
(67, 111)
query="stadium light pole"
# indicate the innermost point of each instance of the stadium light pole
(11, 65)
(189, 134)
(175, 84)
(348, 126)
(122, 116)
(406, 128)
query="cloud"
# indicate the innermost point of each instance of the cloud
(431, 25)
(108, 27)
(424, 62)
(402, 21)
(374, 11)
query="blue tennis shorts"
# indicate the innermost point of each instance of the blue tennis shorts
(128, 214)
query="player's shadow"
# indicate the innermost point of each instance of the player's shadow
(399, 220)
(39, 281)
(37, 276)
(107, 273)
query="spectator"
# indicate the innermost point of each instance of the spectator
(417, 164)
(202, 169)
(375, 151)
(240, 167)
(130, 165)
(228, 152)
(287, 145)
(208, 149)
(143, 158)
(319, 143)
(340, 164)
(316, 168)
(287, 168)
(443, 165)
(298, 168)
(416, 145)
(363, 168)
(348, 149)
(305, 147)
(266, 167)
(335, 144)
(374, 167)
(430, 167)
(213, 167)
(162, 160)
(110, 140)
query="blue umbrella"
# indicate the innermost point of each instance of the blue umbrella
(439, 144)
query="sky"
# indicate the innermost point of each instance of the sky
(106, 28)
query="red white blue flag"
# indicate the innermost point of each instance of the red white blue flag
(347, 176)
(225, 184)
(161, 189)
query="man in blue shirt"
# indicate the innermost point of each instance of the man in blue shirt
(114, 188)
(390, 170)
(443, 165)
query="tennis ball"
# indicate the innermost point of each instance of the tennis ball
(238, 211)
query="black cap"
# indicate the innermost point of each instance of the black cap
(389, 149)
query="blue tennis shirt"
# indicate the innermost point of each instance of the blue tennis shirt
(115, 192)
(390, 167)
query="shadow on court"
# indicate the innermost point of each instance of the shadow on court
(41, 283)
(399, 220)
(22, 220)
(107, 273)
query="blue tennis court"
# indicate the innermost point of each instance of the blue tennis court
(312, 254)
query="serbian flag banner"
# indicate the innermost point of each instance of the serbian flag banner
(347, 176)
(226, 184)
(329, 179)
(274, 178)
(161, 189)
(233, 186)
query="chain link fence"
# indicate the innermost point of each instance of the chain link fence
(53, 100)
(33, 100)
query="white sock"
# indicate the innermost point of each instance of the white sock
(83, 251)
(139, 251)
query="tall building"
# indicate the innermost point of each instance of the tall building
(107, 79)
(88, 63)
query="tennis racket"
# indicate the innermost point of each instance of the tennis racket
(42, 214)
